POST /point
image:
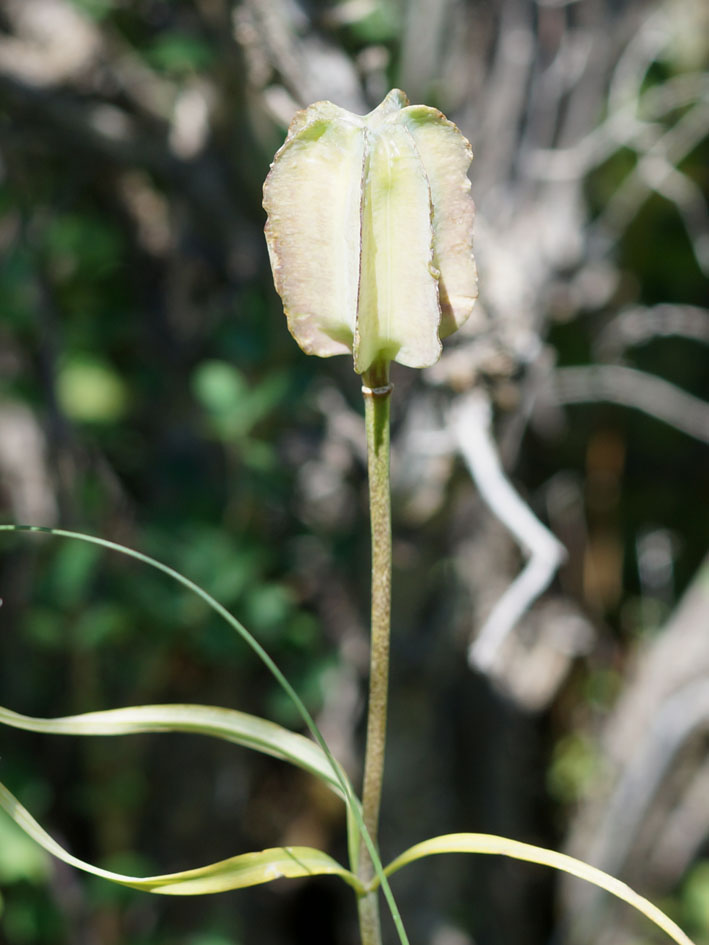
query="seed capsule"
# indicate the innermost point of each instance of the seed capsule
(369, 231)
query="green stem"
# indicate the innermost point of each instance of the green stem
(370, 926)
(377, 391)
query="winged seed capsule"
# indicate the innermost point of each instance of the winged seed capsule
(369, 231)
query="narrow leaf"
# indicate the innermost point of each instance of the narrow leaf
(229, 618)
(486, 843)
(228, 724)
(248, 869)
(353, 804)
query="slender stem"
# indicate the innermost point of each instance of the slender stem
(377, 392)
(370, 926)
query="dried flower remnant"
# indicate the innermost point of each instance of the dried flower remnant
(369, 231)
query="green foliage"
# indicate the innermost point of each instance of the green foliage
(179, 54)
(96, 9)
(380, 22)
(20, 857)
(82, 247)
(573, 766)
(695, 901)
(234, 407)
(212, 938)
(17, 290)
(91, 392)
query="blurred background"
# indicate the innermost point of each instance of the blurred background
(150, 394)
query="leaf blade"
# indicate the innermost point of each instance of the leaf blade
(237, 872)
(502, 846)
(250, 731)
(353, 803)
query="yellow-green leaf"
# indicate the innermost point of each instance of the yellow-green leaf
(247, 869)
(228, 724)
(487, 843)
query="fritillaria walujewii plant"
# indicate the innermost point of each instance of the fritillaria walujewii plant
(369, 232)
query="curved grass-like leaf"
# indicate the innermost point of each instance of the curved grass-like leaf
(219, 609)
(227, 724)
(487, 843)
(354, 819)
(238, 872)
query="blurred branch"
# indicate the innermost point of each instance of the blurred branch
(423, 42)
(274, 27)
(308, 67)
(683, 834)
(630, 388)
(688, 198)
(24, 469)
(634, 121)
(656, 170)
(472, 429)
(506, 89)
(52, 42)
(673, 724)
(624, 822)
(640, 324)
(651, 37)
(110, 132)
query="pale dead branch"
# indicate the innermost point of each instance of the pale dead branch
(640, 324)
(471, 424)
(628, 387)
(646, 811)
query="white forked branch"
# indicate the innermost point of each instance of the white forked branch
(471, 425)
